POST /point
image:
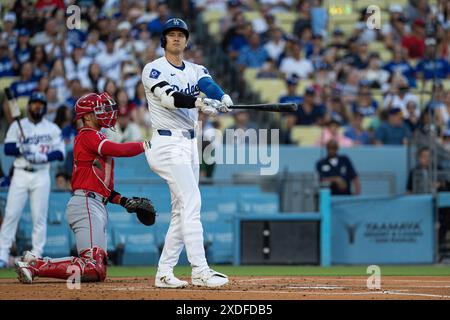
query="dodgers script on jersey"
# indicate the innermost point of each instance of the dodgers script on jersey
(183, 80)
(44, 137)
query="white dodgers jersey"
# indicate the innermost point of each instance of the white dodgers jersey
(43, 137)
(185, 80)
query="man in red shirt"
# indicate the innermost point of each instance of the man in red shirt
(93, 185)
(415, 41)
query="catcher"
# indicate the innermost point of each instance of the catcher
(93, 185)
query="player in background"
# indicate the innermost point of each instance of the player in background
(93, 185)
(172, 87)
(41, 145)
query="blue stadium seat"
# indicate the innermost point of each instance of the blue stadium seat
(58, 241)
(139, 246)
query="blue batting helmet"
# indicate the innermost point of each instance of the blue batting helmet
(173, 24)
(38, 97)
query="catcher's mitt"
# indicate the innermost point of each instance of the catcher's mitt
(144, 209)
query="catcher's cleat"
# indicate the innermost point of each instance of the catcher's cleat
(28, 257)
(169, 281)
(209, 278)
(24, 273)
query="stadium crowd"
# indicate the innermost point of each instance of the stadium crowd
(352, 93)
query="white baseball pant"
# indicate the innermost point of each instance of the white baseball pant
(175, 159)
(37, 186)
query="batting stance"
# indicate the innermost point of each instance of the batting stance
(34, 143)
(93, 187)
(172, 87)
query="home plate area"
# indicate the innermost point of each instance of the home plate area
(240, 288)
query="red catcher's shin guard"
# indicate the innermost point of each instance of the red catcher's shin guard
(92, 264)
(95, 261)
(54, 268)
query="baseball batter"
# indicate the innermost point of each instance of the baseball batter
(40, 145)
(93, 185)
(172, 87)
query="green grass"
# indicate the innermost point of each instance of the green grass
(428, 270)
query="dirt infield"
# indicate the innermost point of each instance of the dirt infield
(246, 288)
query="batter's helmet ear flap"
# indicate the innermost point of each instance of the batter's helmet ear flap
(163, 40)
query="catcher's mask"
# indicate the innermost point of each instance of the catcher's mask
(104, 108)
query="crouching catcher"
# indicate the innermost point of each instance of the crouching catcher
(93, 185)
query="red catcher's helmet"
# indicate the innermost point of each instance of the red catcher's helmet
(103, 106)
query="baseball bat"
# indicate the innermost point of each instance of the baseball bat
(15, 110)
(271, 107)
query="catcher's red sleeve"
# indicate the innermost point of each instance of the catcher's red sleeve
(127, 149)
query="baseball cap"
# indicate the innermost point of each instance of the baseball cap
(419, 23)
(395, 110)
(338, 32)
(23, 32)
(124, 25)
(310, 90)
(10, 16)
(292, 80)
(395, 8)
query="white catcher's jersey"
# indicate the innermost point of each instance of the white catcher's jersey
(43, 137)
(182, 80)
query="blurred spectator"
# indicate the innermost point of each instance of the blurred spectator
(374, 74)
(130, 79)
(155, 26)
(431, 66)
(319, 18)
(337, 172)
(400, 64)
(360, 58)
(332, 131)
(365, 104)
(110, 61)
(303, 17)
(9, 33)
(356, 132)
(93, 44)
(254, 55)
(94, 80)
(77, 65)
(349, 85)
(396, 28)
(310, 112)
(237, 36)
(264, 23)
(268, 70)
(22, 52)
(63, 116)
(417, 9)
(275, 45)
(125, 130)
(291, 96)
(443, 112)
(337, 110)
(414, 42)
(361, 31)
(62, 180)
(52, 103)
(233, 7)
(6, 61)
(338, 39)
(59, 81)
(394, 131)
(124, 42)
(38, 58)
(243, 131)
(110, 87)
(399, 98)
(76, 91)
(412, 115)
(277, 5)
(296, 65)
(26, 83)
